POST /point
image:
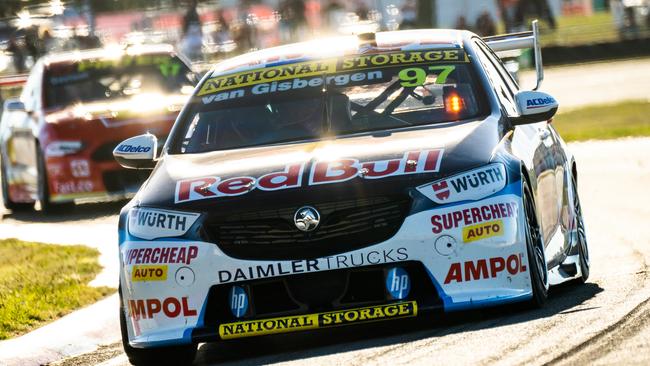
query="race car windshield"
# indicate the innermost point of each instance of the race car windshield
(263, 112)
(104, 80)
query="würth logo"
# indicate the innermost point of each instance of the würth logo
(441, 189)
(471, 185)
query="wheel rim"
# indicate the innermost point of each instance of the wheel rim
(535, 238)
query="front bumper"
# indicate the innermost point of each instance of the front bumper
(459, 256)
(77, 177)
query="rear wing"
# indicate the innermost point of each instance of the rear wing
(517, 41)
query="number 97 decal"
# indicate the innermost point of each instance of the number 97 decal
(415, 76)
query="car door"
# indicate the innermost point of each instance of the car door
(534, 143)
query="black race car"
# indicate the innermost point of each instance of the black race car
(345, 181)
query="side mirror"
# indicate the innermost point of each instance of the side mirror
(534, 106)
(14, 105)
(137, 152)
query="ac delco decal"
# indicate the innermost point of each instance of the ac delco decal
(472, 185)
(158, 255)
(539, 102)
(483, 231)
(170, 307)
(473, 215)
(485, 268)
(322, 172)
(315, 321)
(148, 273)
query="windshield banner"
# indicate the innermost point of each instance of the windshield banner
(328, 67)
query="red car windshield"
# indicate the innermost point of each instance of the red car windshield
(101, 80)
(323, 98)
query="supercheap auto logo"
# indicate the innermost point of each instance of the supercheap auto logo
(316, 321)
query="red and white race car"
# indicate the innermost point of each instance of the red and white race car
(57, 139)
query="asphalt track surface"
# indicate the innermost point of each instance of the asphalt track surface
(603, 322)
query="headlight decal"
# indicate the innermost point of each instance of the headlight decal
(470, 185)
(150, 223)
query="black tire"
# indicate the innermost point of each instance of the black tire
(6, 201)
(173, 355)
(43, 188)
(535, 249)
(583, 248)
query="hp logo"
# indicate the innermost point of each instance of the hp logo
(398, 283)
(238, 301)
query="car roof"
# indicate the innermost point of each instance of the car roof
(404, 40)
(70, 57)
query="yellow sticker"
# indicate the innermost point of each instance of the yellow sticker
(328, 67)
(268, 74)
(403, 58)
(482, 231)
(320, 320)
(149, 273)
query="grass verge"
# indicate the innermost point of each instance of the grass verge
(605, 121)
(580, 29)
(41, 282)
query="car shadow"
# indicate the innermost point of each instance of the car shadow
(295, 346)
(85, 211)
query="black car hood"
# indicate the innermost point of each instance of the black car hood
(190, 181)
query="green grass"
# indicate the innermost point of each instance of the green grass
(41, 282)
(580, 29)
(605, 121)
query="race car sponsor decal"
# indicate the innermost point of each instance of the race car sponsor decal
(149, 273)
(170, 307)
(161, 255)
(294, 84)
(268, 74)
(322, 172)
(147, 223)
(79, 168)
(133, 149)
(78, 186)
(284, 268)
(167, 65)
(471, 185)
(326, 67)
(472, 215)
(485, 268)
(483, 231)
(319, 320)
(403, 58)
(539, 102)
